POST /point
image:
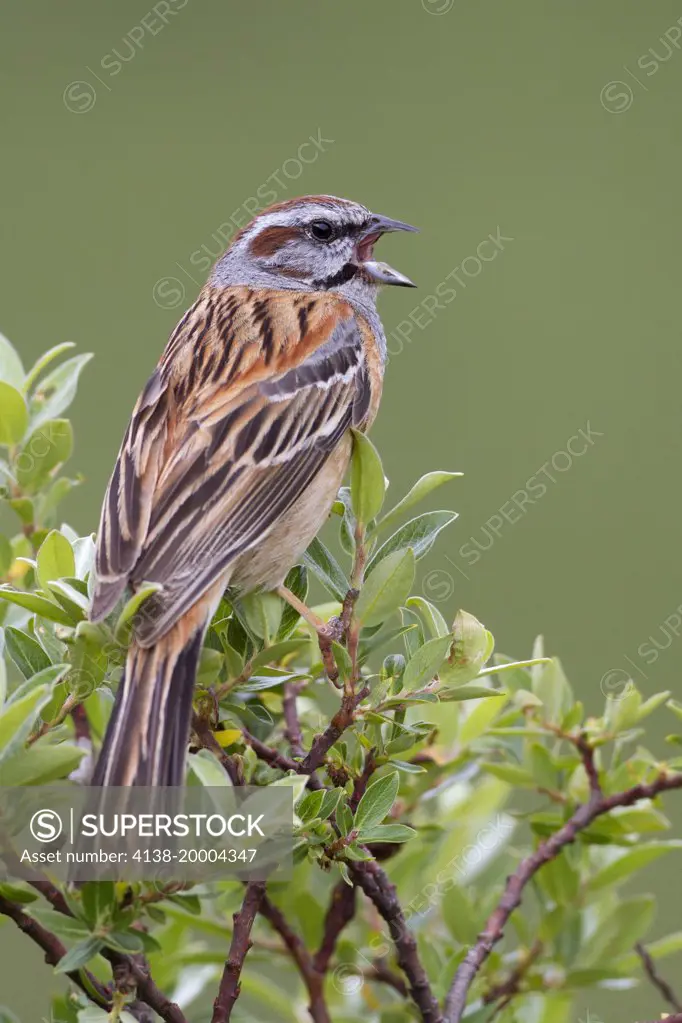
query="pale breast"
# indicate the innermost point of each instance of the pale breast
(266, 565)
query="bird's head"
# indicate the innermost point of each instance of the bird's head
(314, 243)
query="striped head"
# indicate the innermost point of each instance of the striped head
(314, 243)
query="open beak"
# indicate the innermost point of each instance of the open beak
(382, 273)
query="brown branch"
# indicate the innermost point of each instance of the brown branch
(313, 980)
(54, 951)
(146, 989)
(342, 720)
(587, 753)
(654, 976)
(375, 884)
(292, 731)
(340, 913)
(381, 973)
(362, 780)
(269, 754)
(507, 989)
(229, 989)
(597, 806)
(138, 967)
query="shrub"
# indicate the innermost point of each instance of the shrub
(434, 780)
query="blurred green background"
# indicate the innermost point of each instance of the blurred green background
(129, 140)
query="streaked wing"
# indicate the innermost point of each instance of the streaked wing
(247, 403)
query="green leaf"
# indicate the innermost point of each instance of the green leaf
(74, 602)
(57, 390)
(125, 941)
(26, 652)
(419, 534)
(6, 555)
(459, 916)
(51, 676)
(40, 764)
(367, 485)
(387, 833)
(68, 928)
(324, 567)
(330, 802)
(618, 931)
(421, 489)
(207, 770)
(47, 447)
(467, 692)
(472, 647)
(45, 361)
(263, 614)
(98, 902)
(18, 718)
(55, 559)
(23, 896)
(386, 588)
(425, 663)
(629, 862)
(36, 604)
(479, 718)
(278, 677)
(11, 368)
(344, 818)
(79, 955)
(376, 802)
(3, 669)
(512, 773)
(13, 415)
(275, 653)
(297, 582)
(431, 616)
(133, 606)
(539, 763)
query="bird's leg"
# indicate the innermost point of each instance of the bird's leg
(327, 632)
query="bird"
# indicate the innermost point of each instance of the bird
(234, 454)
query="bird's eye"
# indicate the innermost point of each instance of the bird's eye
(321, 230)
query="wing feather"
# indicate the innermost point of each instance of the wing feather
(248, 401)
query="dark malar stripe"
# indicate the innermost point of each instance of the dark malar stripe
(346, 273)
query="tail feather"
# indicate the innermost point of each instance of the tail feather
(146, 741)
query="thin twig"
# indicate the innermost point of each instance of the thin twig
(507, 989)
(342, 720)
(313, 980)
(54, 951)
(597, 806)
(229, 989)
(362, 780)
(292, 730)
(147, 990)
(339, 914)
(381, 973)
(369, 876)
(654, 976)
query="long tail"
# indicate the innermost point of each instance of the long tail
(146, 740)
